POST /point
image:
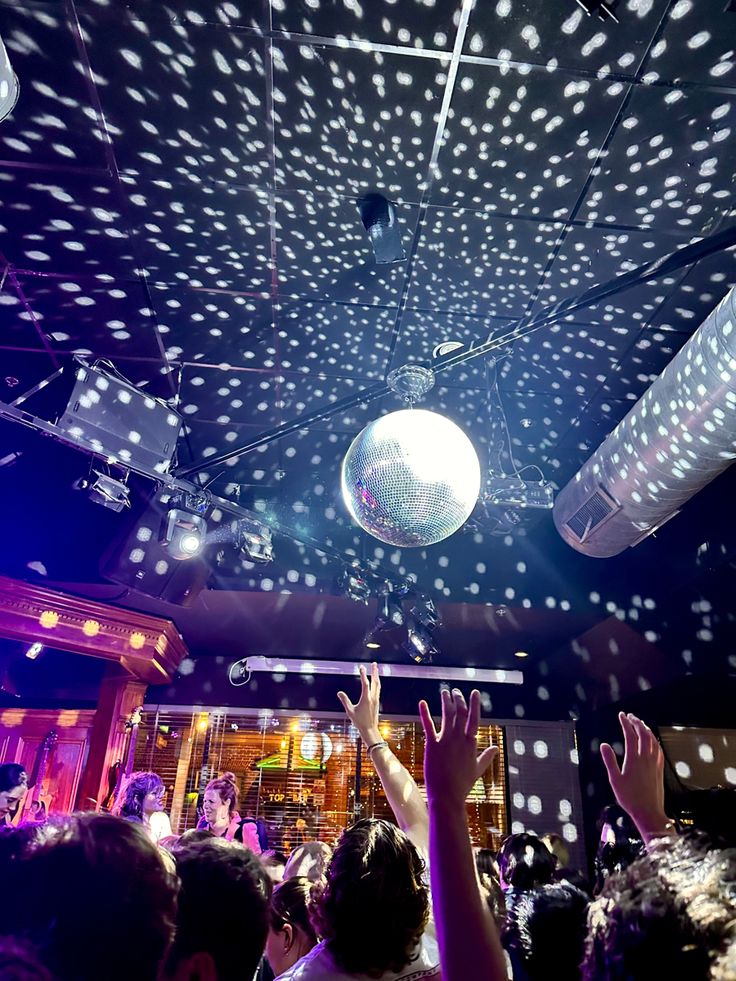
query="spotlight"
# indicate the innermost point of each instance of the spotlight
(183, 533)
(378, 215)
(390, 612)
(355, 587)
(106, 490)
(426, 613)
(420, 645)
(254, 540)
(34, 650)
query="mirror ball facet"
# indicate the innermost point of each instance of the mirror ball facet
(411, 478)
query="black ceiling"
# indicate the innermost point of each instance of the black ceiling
(179, 187)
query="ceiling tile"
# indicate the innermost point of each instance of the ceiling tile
(351, 121)
(181, 100)
(669, 164)
(698, 43)
(109, 320)
(341, 339)
(554, 34)
(229, 396)
(590, 256)
(200, 234)
(54, 121)
(214, 327)
(415, 24)
(523, 141)
(64, 223)
(468, 262)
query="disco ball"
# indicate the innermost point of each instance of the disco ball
(316, 746)
(411, 478)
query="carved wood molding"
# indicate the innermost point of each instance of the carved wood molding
(149, 648)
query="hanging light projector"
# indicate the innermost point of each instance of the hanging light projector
(9, 88)
(677, 438)
(412, 477)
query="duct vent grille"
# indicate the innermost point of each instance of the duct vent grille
(592, 514)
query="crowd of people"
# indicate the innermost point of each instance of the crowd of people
(118, 896)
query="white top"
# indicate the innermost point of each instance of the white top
(159, 826)
(318, 964)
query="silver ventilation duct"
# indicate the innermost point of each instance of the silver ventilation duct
(676, 439)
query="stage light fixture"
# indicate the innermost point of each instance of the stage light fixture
(420, 644)
(34, 651)
(390, 612)
(355, 586)
(183, 533)
(254, 540)
(426, 613)
(106, 490)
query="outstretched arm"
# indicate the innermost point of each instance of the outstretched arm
(467, 936)
(638, 785)
(398, 784)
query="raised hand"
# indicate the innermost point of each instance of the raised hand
(638, 784)
(364, 715)
(452, 764)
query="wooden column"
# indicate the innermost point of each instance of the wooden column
(120, 695)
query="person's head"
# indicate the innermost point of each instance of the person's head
(19, 963)
(619, 845)
(274, 863)
(290, 931)
(93, 899)
(670, 914)
(547, 926)
(142, 796)
(13, 784)
(376, 875)
(309, 860)
(485, 862)
(222, 921)
(220, 799)
(525, 862)
(558, 846)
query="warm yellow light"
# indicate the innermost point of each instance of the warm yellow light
(137, 640)
(294, 726)
(90, 628)
(373, 645)
(386, 731)
(202, 724)
(49, 619)
(521, 654)
(339, 748)
(284, 744)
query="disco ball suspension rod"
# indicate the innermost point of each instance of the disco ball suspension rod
(546, 318)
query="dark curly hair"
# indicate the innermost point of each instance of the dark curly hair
(138, 787)
(525, 862)
(93, 900)
(670, 914)
(376, 875)
(290, 904)
(547, 926)
(12, 775)
(223, 907)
